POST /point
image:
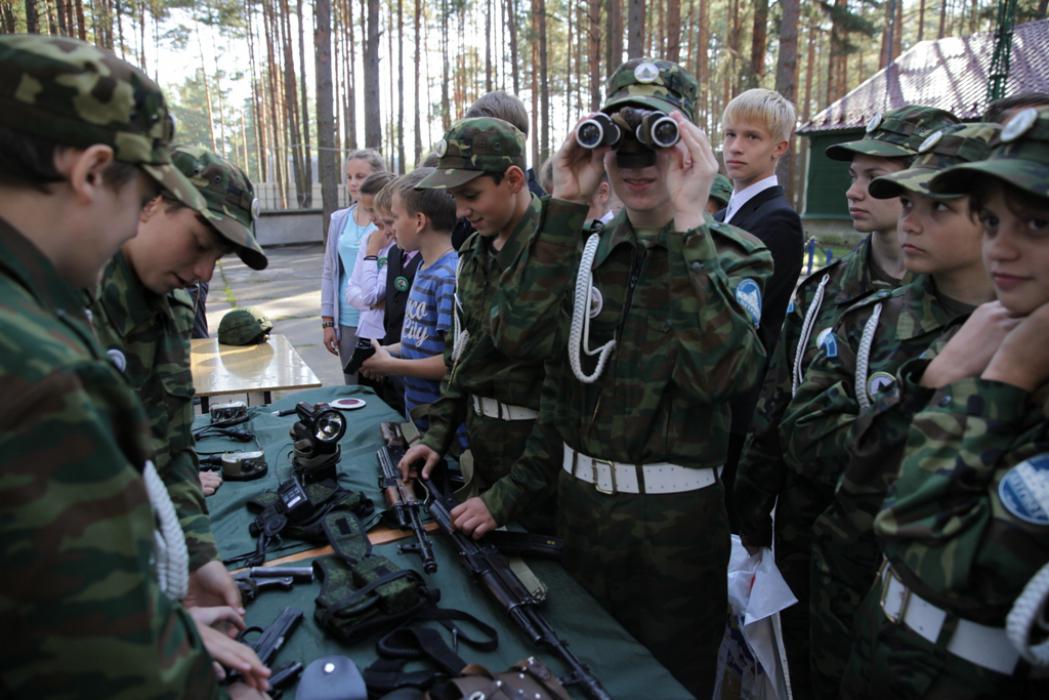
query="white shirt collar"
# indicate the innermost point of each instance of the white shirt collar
(741, 197)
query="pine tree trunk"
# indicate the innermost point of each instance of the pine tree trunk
(327, 161)
(307, 160)
(594, 52)
(759, 38)
(291, 108)
(257, 122)
(921, 20)
(635, 28)
(400, 87)
(487, 46)
(568, 70)
(536, 160)
(943, 19)
(787, 82)
(7, 14)
(417, 126)
(703, 58)
(614, 53)
(351, 96)
(544, 83)
(673, 32)
(280, 153)
(511, 21)
(372, 112)
(446, 107)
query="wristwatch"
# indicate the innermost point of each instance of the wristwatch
(327, 324)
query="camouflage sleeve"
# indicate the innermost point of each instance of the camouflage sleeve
(817, 422)
(536, 469)
(945, 524)
(83, 613)
(876, 446)
(721, 354)
(759, 477)
(176, 457)
(527, 313)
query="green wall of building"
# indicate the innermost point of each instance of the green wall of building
(827, 180)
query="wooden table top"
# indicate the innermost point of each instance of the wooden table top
(237, 369)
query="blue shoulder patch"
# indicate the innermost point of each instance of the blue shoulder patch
(827, 342)
(1024, 490)
(748, 294)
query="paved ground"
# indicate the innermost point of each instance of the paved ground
(288, 291)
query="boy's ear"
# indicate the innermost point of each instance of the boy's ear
(421, 221)
(151, 209)
(516, 178)
(781, 148)
(84, 168)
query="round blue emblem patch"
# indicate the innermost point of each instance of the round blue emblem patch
(748, 294)
(1024, 490)
(827, 342)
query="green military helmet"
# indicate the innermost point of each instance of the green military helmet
(474, 147)
(244, 327)
(74, 94)
(896, 134)
(721, 189)
(229, 197)
(652, 83)
(1020, 157)
(950, 146)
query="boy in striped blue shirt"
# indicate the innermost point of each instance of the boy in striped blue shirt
(423, 221)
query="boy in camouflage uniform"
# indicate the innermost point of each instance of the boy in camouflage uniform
(764, 479)
(965, 525)
(143, 318)
(673, 298)
(84, 141)
(482, 165)
(940, 238)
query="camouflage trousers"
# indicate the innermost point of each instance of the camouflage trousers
(658, 564)
(800, 503)
(889, 660)
(496, 445)
(844, 565)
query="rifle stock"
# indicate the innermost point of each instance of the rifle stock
(492, 571)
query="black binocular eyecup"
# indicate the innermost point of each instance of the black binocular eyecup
(597, 131)
(650, 128)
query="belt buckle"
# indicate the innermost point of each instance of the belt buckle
(889, 576)
(611, 475)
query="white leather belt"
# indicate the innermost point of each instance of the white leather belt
(484, 406)
(615, 477)
(985, 646)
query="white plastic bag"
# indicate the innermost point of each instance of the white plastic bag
(752, 663)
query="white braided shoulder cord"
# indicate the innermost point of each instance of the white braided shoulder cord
(460, 337)
(170, 542)
(579, 331)
(1028, 610)
(811, 314)
(863, 358)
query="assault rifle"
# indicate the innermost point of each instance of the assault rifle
(491, 570)
(401, 498)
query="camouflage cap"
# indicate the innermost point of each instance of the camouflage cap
(1019, 156)
(74, 94)
(652, 83)
(896, 134)
(950, 146)
(230, 204)
(473, 147)
(721, 189)
(244, 327)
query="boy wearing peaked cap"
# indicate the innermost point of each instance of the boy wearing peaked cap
(660, 331)
(143, 318)
(957, 608)
(84, 143)
(482, 165)
(765, 480)
(855, 368)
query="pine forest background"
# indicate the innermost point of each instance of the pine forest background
(286, 87)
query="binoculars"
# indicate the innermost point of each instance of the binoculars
(650, 128)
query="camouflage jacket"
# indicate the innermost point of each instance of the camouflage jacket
(481, 369)
(964, 526)
(686, 338)
(151, 333)
(83, 614)
(816, 427)
(762, 469)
